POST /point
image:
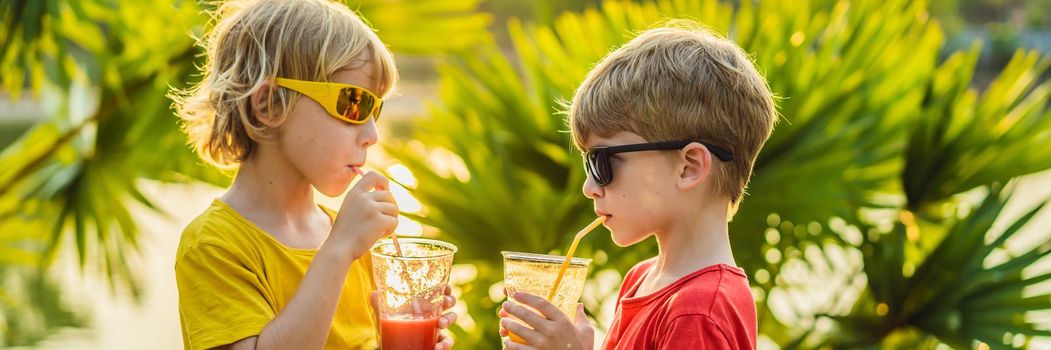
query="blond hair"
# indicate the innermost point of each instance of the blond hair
(680, 82)
(255, 41)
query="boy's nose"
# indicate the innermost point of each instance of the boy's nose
(369, 134)
(591, 189)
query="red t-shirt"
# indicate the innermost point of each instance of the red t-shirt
(711, 308)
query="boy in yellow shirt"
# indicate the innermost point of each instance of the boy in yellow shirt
(290, 95)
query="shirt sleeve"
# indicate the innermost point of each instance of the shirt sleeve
(221, 300)
(694, 332)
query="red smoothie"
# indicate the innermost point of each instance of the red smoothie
(408, 334)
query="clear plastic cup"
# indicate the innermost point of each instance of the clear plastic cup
(535, 274)
(412, 290)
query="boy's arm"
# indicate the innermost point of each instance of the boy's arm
(304, 323)
(288, 322)
(694, 332)
(308, 317)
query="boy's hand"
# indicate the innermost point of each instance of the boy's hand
(444, 341)
(448, 319)
(367, 214)
(551, 329)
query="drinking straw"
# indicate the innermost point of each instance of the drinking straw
(569, 255)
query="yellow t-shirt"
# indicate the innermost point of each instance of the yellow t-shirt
(234, 278)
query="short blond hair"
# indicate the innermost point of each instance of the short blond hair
(254, 41)
(680, 82)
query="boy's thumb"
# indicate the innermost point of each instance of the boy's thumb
(581, 316)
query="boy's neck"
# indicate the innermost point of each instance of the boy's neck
(690, 244)
(268, 184)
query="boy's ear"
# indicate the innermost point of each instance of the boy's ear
(695, 165)
(261, 108)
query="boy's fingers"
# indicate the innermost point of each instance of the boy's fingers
(528, 316)
(388, 209)
(528, 334)
(371, 181)
(546, 308)
(447, 320)
(445, 342)
(381, 196)
(510, 345)
(448, 303)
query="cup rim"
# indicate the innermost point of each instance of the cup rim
(546, 258)
(451, 248)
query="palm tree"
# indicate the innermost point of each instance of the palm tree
(75, 174)
(870, 219)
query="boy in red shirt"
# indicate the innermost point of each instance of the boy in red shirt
(671, 124)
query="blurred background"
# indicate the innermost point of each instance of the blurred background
(898, 205)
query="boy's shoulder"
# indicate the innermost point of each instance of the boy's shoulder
(713, 291)
(712, 303)
(218, 226)
(716, 291)
(717, 299)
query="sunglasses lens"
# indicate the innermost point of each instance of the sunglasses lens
(598, 167)
(357, 104)
(367, 106)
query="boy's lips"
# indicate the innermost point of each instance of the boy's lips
(356, 170)
(602, 213)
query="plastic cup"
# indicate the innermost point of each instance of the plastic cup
(412, 290)
(535, 274)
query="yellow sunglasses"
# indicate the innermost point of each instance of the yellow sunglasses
(350, 103)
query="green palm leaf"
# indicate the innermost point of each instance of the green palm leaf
(965, 139)
(425, 26)
(970, 287)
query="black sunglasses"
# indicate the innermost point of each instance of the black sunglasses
(598, 166)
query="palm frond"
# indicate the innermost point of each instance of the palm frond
(959, 293)
(966, 139)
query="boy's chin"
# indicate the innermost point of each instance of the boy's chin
(332, 190)
(625, 240)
